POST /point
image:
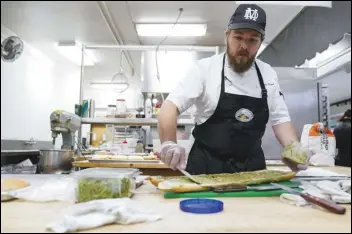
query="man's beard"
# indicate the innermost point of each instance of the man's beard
(240, 65)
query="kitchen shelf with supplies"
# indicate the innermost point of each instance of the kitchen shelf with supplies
(132, 121)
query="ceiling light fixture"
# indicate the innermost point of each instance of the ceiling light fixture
(172, 30)
(72, 50)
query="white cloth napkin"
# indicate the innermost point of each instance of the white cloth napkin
(337, 191)
(53, 189)
(322, 159)
(93, 214)
(317, 172)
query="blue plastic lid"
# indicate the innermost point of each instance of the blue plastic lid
(201, 206)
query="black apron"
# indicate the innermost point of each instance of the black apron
(230, 140)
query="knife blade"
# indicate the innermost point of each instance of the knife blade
(326, 204)
(185, 173)
(189, 176)
(317, 178)
(249, 188)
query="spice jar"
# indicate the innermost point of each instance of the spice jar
(121, 106)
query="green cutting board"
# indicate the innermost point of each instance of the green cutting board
(249, 193)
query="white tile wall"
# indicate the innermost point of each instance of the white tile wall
(31, 88)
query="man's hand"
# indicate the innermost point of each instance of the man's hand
(294, 166)
(295, 157)
(173, 155)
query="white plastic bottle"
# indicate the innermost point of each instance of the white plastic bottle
(148, 107)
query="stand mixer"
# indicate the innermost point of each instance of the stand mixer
(60, 160)
(67, 124)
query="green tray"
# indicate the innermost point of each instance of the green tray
(249, 193)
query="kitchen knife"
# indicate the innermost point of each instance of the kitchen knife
(185, 173)
(188, 175)
(249, 188)
(329, 205)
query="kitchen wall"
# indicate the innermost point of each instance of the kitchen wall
(104, 71)
(172, 66)
(336, 112)
(339, 86)
(339, 83)
(340, 109)
(31, 88)
(105, 97)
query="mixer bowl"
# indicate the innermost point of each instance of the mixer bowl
(55, 160)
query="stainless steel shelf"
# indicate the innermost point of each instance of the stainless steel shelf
(132, 122)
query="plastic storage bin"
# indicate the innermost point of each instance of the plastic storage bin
(111, 111)
(103, 183)
(131, 172)
(121, 106)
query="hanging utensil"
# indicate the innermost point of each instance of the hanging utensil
(121, 74)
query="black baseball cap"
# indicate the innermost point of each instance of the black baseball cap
(249, 16)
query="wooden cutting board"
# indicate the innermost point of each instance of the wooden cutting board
(86, 163)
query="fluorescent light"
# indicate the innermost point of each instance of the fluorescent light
(73, 51)
(108, 85)
(178, 30)
(290, 3)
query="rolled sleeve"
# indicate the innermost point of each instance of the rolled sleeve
(278, 112)
(188, 89)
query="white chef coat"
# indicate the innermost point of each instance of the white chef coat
(200, 88)
(202, 83)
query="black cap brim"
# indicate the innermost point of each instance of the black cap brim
(246, 26)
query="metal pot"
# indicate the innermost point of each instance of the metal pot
(54, 160)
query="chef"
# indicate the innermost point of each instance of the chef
(234, 95)
(342, 134)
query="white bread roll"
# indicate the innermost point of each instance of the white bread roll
(11, 184)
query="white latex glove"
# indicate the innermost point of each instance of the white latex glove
(173, 155)
(295, 152)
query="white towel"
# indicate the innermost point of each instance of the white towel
(93, 214)
(322, 159)
(317, 172)
(337, 191)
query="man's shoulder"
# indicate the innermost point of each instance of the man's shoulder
(212, 60)
(266, 67)
(268, 72)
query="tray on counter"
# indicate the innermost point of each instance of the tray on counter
(123, 161)
(19, 169)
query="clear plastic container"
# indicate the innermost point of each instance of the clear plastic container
(130, 172)
(103, 183)
(111, 111)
